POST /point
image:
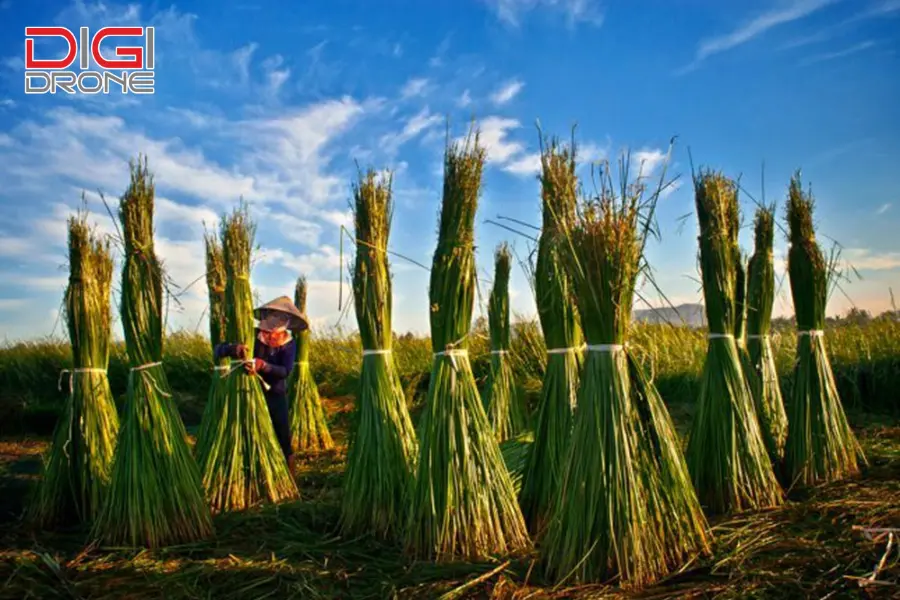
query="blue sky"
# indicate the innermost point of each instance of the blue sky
(276, 101)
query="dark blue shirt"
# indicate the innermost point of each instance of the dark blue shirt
(279, 362)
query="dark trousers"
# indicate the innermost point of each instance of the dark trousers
(278, 410)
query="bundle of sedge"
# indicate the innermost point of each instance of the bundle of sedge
(501, 399)
(463, 503)
(155, 497)
(726, 454)
(76, 471)
(215, 284)
(820, 445)
(558, 315)
(625, 508)
(244, 464)
(309, 427)
(761, 375)
(382, 448)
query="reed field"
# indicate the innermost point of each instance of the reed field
(807, 547)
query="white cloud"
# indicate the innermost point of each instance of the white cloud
(493, 137)
(646, 160)
(422, 121)
(883, 208)
(782, 13)
(464, 100)
(414, 88)
(507, 92)
(7, 304)
(511, 12)
(865, 259)
(529, 164)
(838, 54)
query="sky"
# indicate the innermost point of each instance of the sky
(278, 103)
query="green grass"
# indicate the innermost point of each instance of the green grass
(865, 359)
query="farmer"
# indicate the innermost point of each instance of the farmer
(274, 352)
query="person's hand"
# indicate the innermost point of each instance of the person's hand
(241, 351)
(255, 366)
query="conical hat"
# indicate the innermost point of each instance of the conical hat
(282, 304)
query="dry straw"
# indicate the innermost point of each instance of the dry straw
(382, 448)
(77, 468)
(463, 503)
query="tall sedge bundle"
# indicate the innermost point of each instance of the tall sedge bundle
(625, 508)
(309, 428)
(155, 497)
(562, 334)
(726, 454)
(77, 468)
(382, 446)
(215, 284)
(501, 400)
(820, 445)
(761, 375)
(244, 464)
(463, 503)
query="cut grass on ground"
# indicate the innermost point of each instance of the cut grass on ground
(805, 549)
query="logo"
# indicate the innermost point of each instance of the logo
(131, 72)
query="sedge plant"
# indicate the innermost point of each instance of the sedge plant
(463, 504)
(761, 375)
(77, 467)
(726, 454)
(244, 465)
(309, 427)
(155, 497)
(215, 285)
(820, 445)
(559, 320)
(625, 509)
(501, 400)
(382, 446)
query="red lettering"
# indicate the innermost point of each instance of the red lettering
(136, 53)
(62, 63)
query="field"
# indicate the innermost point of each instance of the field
(806, 549)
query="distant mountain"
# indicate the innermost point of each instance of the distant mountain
(692, 314)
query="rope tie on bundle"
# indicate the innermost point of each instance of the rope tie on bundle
(241, 363)
(813, 333)
(567, 349)
(71, 373)
(375, 351)
(143, 369)
(605, 347)
(500, 352)
(719, 336)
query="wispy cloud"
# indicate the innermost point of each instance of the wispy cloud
(783, 13)
(464, 100)
(865, 259)
(838, 54)
(883, 208)
(511, 12)
(414, 87)
(879, 10)
(507, 92)
(421, 122)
